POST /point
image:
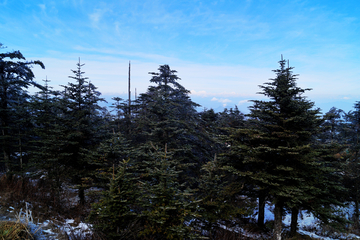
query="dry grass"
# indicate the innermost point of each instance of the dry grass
(15, 230)
(16, 193)
(45, 203)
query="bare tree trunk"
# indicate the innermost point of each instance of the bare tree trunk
(21, 153)
(356, 214)
(6, 155)
(6, 161)
(278, 221)
(294, 221)
(261, 216)
(81, 195)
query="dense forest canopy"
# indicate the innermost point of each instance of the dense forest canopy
(167, 170)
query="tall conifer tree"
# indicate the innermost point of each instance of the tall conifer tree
(49, 144)
(352, 156)
(16, 77)
(83, 123)
(275, 153)
(165, 114)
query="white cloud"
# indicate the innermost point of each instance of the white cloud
(199, 93)
(243, 101)
(221, 100)
(224, 101)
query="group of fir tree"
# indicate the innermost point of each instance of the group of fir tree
(168, 171)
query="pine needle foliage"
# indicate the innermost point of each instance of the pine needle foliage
(83, 124)
(165, 114)
(166, 206)
(16, 77)
(116, 215)
(276, 153)
(110, 154)
(220, 196)
(146, 201)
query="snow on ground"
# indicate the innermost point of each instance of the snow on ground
(77, 228)
(69, 226)
(308, 225)
(308, 221)
(49, 229)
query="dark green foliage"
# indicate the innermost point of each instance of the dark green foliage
(48, 151)
(83, 124)
(110, 154)
(209, 120)
(15, 78)
(119, 107)
(220, 196)
(217, 125)
(231, 118)
(116, 215)
(21, 127)
(333, 127)
(154, 159)
(166, 109)
(276, 153)
(165, 114)
(146, 201)
(166, 207)
(352, 160)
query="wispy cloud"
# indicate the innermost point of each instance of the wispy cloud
(224, 101)
(97, 16)
(243, 102)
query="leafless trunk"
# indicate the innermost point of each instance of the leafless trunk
(261, 216)
(294, 221)
(278, 221)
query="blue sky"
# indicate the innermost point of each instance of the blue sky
(221, 49)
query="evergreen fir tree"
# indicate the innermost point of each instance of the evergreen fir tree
(333, 127)
(145, 201)
(352, 160)
(83, 123)
(15, 78)
(116, 215)
(165, 114)
(220, 197)
(231, 118)
(110, 154)
(49, 144)
(22, 125)
(122, 117)
(166, 204)
(275, 154)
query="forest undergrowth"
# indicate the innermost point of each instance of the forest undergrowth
(48, 218)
